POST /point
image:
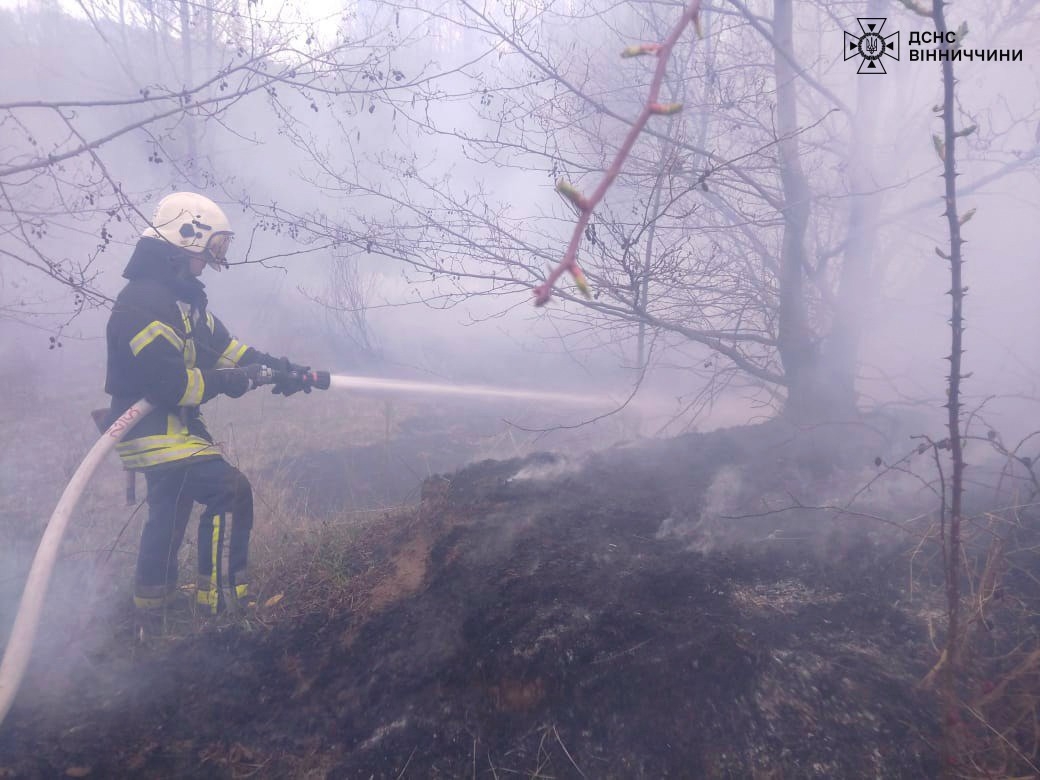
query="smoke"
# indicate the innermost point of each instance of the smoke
(703, 531)
(550, 471)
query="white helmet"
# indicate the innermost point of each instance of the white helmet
(195, 224)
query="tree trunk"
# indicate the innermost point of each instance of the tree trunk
(798, 353)
(952, 733)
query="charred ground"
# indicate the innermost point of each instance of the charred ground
(604, 618)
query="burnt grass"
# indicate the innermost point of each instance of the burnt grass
(538, 618)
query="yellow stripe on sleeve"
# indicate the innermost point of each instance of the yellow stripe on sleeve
(194, 390)
(234, 352)
(151, 332)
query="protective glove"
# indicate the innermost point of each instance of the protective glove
(293, 383)
(236, 382)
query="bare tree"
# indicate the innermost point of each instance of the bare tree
(78, 168)
(689, 241)
(745, 227)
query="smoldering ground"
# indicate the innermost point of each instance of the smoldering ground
(529, 598)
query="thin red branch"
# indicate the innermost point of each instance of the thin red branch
(586, 205)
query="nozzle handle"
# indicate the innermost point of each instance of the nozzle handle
(318, 379)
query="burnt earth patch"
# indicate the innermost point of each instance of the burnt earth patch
(531, 618)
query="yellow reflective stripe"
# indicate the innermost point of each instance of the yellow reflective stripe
(193, 392)
(229, 357)
(214, 599)
(151, 332)
(207, 598)
(154, 450)
(174, 427)
(241, 591)
(154, 596)
(209, 322)
(189, 343)
(149, 443)
(205, 594)
(168, 455)
(185, 315)
(133, 462)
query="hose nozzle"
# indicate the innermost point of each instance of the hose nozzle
(304, 380)
(318, 379)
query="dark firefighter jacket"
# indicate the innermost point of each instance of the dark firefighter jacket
(164, 346)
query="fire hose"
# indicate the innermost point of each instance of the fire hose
(23, 633)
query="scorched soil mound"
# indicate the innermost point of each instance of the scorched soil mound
(537, 618)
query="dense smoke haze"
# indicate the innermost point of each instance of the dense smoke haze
(418, 161)
(773, 250)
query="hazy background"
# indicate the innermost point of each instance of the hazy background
(54, 52)
(414, 149)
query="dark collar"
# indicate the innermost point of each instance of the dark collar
(160, 261)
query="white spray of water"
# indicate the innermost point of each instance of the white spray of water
(376, 384)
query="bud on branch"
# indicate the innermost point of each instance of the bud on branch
(940, 147)
(568, 191)
(579, 279)
(640, 50)
(665, 109)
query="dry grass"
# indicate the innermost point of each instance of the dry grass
(258, 433)
(300, 563)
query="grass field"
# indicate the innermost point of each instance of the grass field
(361, 456)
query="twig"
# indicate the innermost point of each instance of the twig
(621, 653)
(567, 752)
(586, 205)
(1004, 739)
(122, 531)
(406, 763)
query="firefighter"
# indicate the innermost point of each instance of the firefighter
(165, 345)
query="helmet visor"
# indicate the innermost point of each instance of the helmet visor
(217, 249)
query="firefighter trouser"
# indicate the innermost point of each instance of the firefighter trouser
(227, 515)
